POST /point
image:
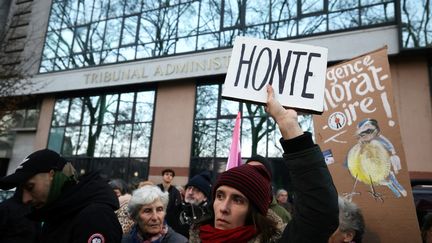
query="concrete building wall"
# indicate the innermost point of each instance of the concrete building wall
(172, 131)
(411, 85)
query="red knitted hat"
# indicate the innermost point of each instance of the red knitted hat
(252, 181)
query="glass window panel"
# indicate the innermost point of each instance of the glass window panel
(231, 13)
(141, 140)
(246, 138)
(56, 16)
(165, 47)
(65, 42)
(104, 141)
(91, 109)
(209, 16)
(370, 2)
(229, 107)
(80, 41)
(126, 104)
(61, 63)
(344, 20)
(100, 10)
(32, 118)
(109, 56)
(56, 138)
(82, 145)
(71, 12)
(126, 53)
(77, 61)
(208, 41)
(129, 30)
(377, 14)
(224, 137)
(310, 25)
(61, 110)
(85, 11)
(253, 110)
(132, 6)
(115, 8)
(336, 5)
(227, 37)
(122, 140)
(150, 5)
(186, 44)
(312, 6)
(75, 111)
(284, 29)
(96, 36)
(46, 66)
(70, 140)
(282, 9)
(147, 29)
(207, 101)
(109, 106)
(257, 12)
(144, 106)
(18, 118)
(188, 19)
(274, 147)
(260, 31)
(306, 123)
(204, 138)
(112, 36)
(144, 51)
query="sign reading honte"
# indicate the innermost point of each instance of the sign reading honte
(296, 72)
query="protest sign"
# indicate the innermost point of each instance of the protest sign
(361, 142)
(296, 72)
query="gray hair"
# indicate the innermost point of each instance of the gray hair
(144, 196)
(351, 218)
(280, 191)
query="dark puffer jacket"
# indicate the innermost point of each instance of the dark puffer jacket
(83, 213)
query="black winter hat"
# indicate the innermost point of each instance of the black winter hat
(202, 181)
(264, 161)
(38, 162)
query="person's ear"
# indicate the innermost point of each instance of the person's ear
(349, 235)
(51, 174)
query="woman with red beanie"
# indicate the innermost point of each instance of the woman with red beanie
(241, 194)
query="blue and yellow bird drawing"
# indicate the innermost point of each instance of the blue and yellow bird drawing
(373, 161)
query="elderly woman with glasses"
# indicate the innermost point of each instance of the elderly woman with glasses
(147, 208)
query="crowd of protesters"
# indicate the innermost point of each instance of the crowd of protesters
(238, 206)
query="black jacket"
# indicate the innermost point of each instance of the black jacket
(14, 226)
(174, 200)
(316, 214)
(83, 212)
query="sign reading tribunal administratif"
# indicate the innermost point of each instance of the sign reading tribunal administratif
(296, 72)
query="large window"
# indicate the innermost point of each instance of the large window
(111, 132)
(213, 128)
(91, 32)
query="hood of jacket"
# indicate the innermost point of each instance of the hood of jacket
(90, 189)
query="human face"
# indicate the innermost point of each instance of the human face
(117, 192)
(194, 196)
(151, 217)
(36, 189)
(282, 197)
(340, 237)
(230, 207)
(168, 177)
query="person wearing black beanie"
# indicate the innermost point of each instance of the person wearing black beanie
(199, 188)
(241, 195)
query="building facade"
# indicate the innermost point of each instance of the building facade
(133, 87)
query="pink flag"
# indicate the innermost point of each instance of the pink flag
(234, 157)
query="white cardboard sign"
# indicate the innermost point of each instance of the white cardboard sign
(296, 72)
